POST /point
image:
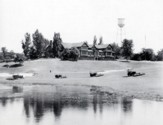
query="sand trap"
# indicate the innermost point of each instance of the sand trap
(5, 75)
(10, 75)
(111, 71)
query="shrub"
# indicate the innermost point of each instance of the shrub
(19, 59)
(70, 54)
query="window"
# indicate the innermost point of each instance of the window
(90, 53)
(108, 53)
(84, 52)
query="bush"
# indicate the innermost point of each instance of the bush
(70, 54)
(65, 54)
(148, 54)
(19, 59)
(136, 57)
(160, 55)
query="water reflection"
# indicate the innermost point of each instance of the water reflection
(3, 101)
(127, 104)
(58, 107)
(17, 89)
(95, 103)
(41, 104)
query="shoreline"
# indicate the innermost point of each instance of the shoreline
(104, 90)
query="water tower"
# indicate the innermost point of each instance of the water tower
(121, 24)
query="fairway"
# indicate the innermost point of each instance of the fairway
(77, 73)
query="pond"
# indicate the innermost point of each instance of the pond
(71, 108)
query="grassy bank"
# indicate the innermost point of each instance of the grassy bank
(77, 73)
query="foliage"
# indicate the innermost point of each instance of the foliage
(160, 55)
(11, 54)
(6, 56)
(42, 47)
(100, 41)
(57, 45)
(26, 45)
(33, 53)
(147, 54)
(4, 52)
(65, 54)
(70, 54)
(95, 40)
(19, 58)
(1, 57)
(39, 43)
(136, 56)
(127, 48)
(74, 54)
(116, 49)
(49, 50)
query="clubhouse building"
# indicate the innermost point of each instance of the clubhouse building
(92, 52)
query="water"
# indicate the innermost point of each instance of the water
(51, 106)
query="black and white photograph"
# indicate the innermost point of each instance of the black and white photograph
(81, 62)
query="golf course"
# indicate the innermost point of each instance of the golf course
(43, 71)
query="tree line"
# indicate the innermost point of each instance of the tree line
(126, 51)
(36, 46)
(40, 47)
(11, 56)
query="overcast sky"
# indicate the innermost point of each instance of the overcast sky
(80, 20)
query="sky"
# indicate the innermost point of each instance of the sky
(81, 20)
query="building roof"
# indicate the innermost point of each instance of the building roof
(70, 45)
(102, 46)
(90, 45)
(90, 50)
(100, 51)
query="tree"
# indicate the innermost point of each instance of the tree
(70, 54)
(33, 53)
(7, 56)
(57, 45)
(1, 57)
(26, 45)
(39, 43)
(41, 46)
(49, 50)
(136, 56)
(65, 54)
(46, 43)
(4, 53)
(95, 41)
(160, 55)
(147, 54)
(100, 41)
(127, 48)
(11, 54)
(19, 58)
(74, 54)
(116, 49)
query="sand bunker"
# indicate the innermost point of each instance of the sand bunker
(10, 75)
(110, 71)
